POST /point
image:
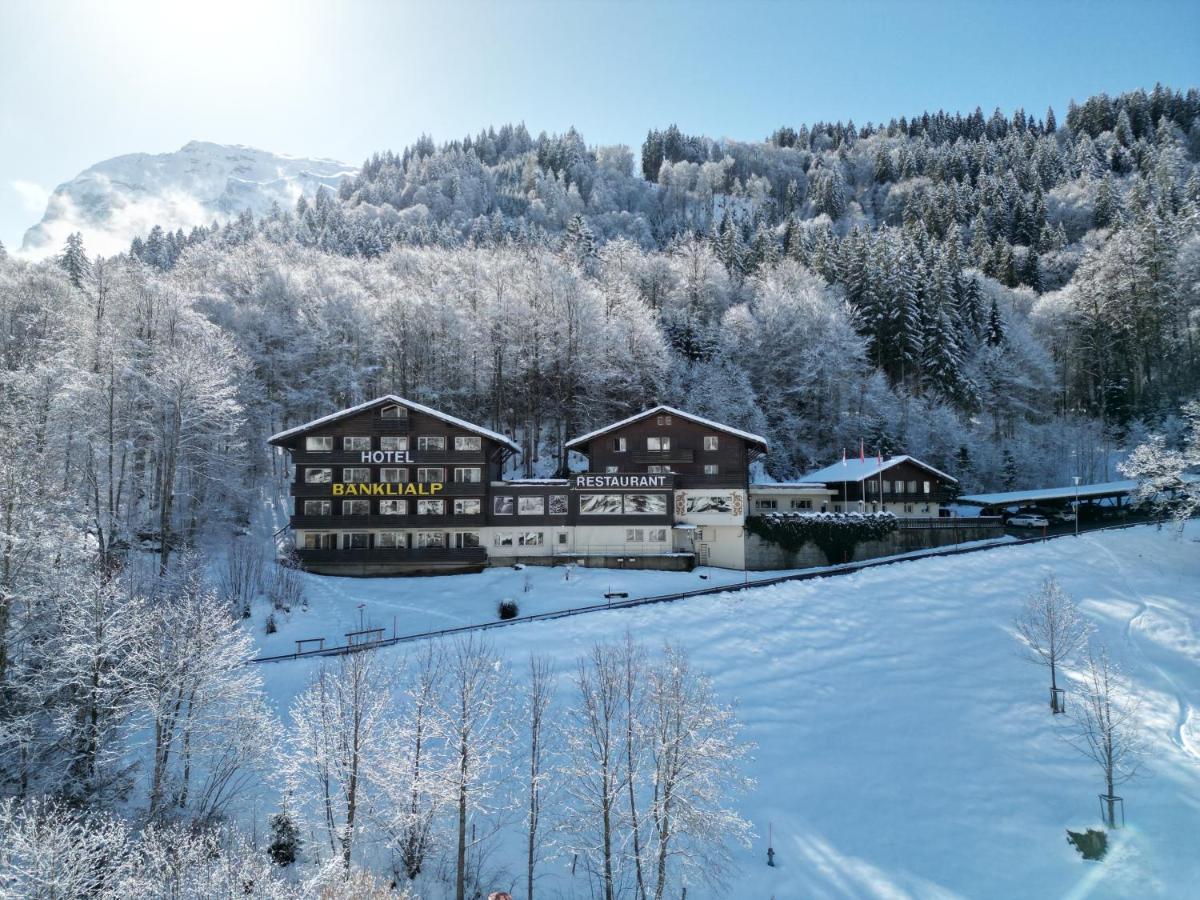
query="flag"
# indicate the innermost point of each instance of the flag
(844, 456)
(861, 452)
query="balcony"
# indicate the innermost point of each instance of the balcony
(663, 457)
(448, 458)
(370, 523)
(724, 480)
(463, 556)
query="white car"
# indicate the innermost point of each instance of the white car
(1028, 521)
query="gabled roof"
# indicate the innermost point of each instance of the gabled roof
(585, 439)
(859, 470)
(385, 400)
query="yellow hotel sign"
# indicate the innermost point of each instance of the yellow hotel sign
(424, 489)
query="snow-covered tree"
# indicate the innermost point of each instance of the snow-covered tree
(1052, 630)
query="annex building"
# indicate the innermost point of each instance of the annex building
(392, 487)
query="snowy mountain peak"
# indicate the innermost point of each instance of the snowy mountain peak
(120, 198)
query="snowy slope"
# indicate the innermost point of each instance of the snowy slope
(120, 198)
(904, 748)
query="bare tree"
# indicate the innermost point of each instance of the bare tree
(340, 735)
(286, 589)
(595, 777)
(633, 678)
(540, 693)
(695, 746)
(413, 775)
(1108, 726)
(479, 737)
(1052, 630)
(242, 577)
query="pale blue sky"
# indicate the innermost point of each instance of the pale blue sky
(84, 81)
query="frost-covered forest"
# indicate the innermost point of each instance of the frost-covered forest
(1012, 298)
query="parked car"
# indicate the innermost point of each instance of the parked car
(1028, 520)
(1056, 515)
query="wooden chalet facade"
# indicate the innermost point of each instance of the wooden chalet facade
(902, 485)
(394, 487)
(391, 486)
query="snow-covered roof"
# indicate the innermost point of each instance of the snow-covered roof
(668, 410)
(1070, 492)
(756, 486)
(399, 401)
(859, 470)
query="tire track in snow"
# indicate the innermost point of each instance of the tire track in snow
(1183, 736)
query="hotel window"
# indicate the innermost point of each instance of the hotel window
(634, 536)
(658, 443)
(318, 444)
(766, 504)
(467, 442)
(657, 535)
(619, 445)
(711, 468)
(465, 539)
(467, 476)
(393, 412)
(393, 443)
(357, 540)
(318, 507)
(435, 442)
(908, 507)
(393, 476)
(431, 539)
(887, 487)
(645, 504)
(531, 506)
(599, 504)
(609, 470)
(531, 539)
(390, 540)
(664, 420)
(356, 475)
(912, 488)
(393, 507)
(927, 487)
(562, 538)
(801, 504)
(710, 442)
(467, 507)
(431, 476)
(356, 507)
(558, 504)
(318, 476)
(502, 506)
(356, 443)
(324, 541)
(431, 507)
(504, 539)
(658, 470)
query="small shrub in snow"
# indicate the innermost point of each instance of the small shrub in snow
(508, 609)
(837, 535)
(1091, 844)
(285, 839)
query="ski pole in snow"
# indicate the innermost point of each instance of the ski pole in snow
(770, 848)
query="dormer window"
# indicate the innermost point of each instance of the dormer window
(664, 420)
(393, 412)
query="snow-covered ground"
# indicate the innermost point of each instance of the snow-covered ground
(904, 749)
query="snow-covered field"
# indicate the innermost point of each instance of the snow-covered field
(904, 749)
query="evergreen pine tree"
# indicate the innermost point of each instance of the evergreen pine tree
(994, 334)
(74, 260)
(1051, 124)
(1008, 470)
(1105, 212)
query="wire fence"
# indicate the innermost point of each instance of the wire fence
(824, 572)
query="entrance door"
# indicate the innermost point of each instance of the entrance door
(702, 554)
